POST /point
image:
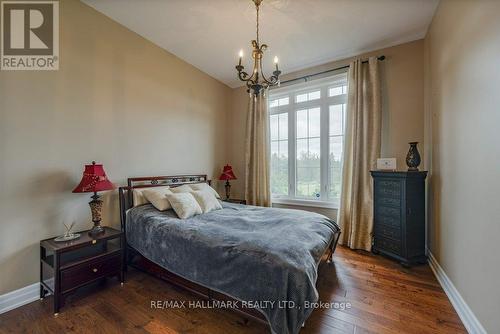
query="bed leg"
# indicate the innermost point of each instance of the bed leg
(335, 240)
(329, 258)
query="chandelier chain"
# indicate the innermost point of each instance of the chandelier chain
(258, 43)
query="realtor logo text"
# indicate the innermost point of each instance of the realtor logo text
(29, 35)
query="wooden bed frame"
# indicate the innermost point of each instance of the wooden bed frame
(134, 258)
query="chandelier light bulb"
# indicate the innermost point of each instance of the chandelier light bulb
(276, 59)
(241, 57)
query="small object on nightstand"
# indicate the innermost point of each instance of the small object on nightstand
(68, 235)
(237, 201)
(67, 266)
(227, 174)
(94, 179)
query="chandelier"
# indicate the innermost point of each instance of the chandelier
(257, 81)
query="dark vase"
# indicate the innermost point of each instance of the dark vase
(413, 157)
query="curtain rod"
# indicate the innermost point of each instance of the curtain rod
(306, 77)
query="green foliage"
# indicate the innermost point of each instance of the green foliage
(308, 175)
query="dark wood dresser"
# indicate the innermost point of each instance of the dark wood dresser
(399, 215)
(67, 266)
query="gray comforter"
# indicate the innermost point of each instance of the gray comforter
(250, 253)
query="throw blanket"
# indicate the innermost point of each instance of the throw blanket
(250, 253)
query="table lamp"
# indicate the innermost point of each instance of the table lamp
(94, 179)
(227, 174)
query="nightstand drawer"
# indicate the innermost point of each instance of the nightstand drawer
(88, 271)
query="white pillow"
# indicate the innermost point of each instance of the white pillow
(205, 186)
(182, 189)
(157, 197)
(207, 200)
(184, 205)
(138, 195)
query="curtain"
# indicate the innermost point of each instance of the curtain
(257, 173)
(361, 150)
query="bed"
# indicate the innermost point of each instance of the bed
(263, 260)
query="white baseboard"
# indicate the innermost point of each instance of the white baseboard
(468, 318)
(20, 297)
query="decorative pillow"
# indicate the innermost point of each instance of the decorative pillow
(157, 197)
(184, 205)
(205, 186)
(207, 200)
(181, 189)
(138, 195)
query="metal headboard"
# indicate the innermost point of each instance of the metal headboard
(126, 196)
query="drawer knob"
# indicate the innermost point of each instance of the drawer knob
(94, 270)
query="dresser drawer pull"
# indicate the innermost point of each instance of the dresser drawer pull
(94, 270)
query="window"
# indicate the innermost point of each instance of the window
(307, 136)
(279, 153)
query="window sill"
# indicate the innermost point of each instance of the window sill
(305, 202)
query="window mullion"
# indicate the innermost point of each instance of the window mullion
(291, 148)
(324, 131)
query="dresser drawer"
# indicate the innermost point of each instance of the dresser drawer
(388, 245)
(390, 188)
(86, 272)
(388, 220)
(387, 211)
(386, 231)
(388, 201)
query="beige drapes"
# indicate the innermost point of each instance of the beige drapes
(361, 150)
(257, 174)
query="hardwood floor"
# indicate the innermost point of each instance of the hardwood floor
(385, 298)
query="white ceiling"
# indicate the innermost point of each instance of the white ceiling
(303, 33)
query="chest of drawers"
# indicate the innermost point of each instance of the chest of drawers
(399, 215)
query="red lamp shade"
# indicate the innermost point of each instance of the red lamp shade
(94, 179)
(227, 173)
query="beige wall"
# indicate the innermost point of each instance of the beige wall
(403, 115)
(463, 117)
(116, 99)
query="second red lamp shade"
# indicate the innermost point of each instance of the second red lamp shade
(227, 174)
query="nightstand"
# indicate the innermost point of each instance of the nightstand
(237, 201)
(67, 266)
